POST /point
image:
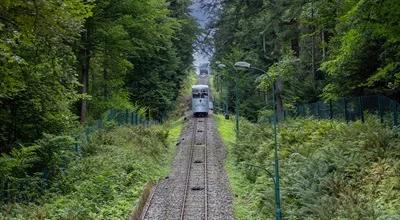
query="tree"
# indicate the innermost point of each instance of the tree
(330, 48)
(37, 71)
(365, 50)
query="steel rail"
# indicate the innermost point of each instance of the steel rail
(189, 167)
(205, 170)
(150, 200)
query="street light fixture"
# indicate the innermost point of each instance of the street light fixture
(242, 65)
(221, 66)
(246, 66)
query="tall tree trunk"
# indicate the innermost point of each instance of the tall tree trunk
(313, 51)
(11, 107)
(106, 94)
(313, 42)
(323, 44)
(84, 66)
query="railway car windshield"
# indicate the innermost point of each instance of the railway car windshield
(200, 93)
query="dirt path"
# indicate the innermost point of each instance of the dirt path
(197, 187)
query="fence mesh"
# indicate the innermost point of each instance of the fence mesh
(351, 109)
(345, 109)
(18, 189)
(120, 117)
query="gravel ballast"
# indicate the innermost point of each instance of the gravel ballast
(168, 195)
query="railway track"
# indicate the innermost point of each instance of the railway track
(194, 201)
(195, 197)
(150, 201)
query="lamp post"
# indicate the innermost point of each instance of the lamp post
(278, 213)
(237, 101)
(223, 66)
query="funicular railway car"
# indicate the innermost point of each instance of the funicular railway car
(200, 100)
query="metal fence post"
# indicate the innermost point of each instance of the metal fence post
(345, 110)
(117, 117)
(87, 134)
(109, 115)
(361, 108)
(100, 123)
(395, 116)
(380, 108)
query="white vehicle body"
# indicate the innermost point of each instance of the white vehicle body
(200, 100)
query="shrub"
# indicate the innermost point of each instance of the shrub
(329, 169)
(104, 183)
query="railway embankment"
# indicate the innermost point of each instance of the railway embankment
(329, 169)
(106, 181)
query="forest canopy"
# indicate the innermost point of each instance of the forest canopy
(65, 60)
(315, 50)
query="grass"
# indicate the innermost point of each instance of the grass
(110, 177)
(329, 169)
(174, 130)
(244, 203)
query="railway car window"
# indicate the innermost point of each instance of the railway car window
(196, 95)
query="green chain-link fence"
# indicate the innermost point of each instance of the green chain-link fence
(351, 109)
(346, 109)
(26, 188)
(120, 117)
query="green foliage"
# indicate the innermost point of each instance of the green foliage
(140, 51)
(239, 83)
(184, 98)
(267, 35)
(105, 183)
(131, 53)
(159, 71)
(245, 203)
(37, 68)
(329, 169)
(26, 172)
(285, 70)
(364, 51)
(314, 49)
(108, 54)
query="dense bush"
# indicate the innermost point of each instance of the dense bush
(329, 169)
(105, 182)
